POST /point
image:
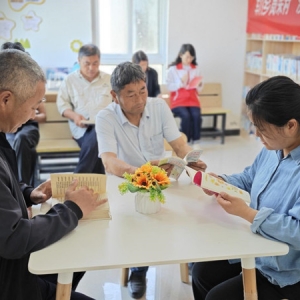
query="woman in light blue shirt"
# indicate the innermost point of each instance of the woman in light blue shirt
(273, 181)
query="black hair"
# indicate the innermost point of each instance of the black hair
(126, 73)
(274, 101)
(10, 45)
(184, 48)
(89, 50)
(139, 56)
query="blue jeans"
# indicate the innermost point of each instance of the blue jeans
(191, 121)
(89, 162)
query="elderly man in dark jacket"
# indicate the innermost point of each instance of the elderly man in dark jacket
(22, 88)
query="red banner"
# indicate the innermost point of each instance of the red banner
(274, 17)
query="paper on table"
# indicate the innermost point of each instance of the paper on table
(61, 181)
(216, 185)
(194, 83)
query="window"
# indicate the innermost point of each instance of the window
(122, 27)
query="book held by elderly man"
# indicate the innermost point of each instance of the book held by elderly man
(61, 181)
(179, 163)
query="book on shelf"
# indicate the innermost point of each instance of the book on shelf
(179, 163)
(61, 181)
(194, 83)
(217, 185)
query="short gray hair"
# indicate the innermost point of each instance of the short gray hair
(88, 50)
(126, 73)
(19, 74)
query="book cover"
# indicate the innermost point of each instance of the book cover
(217, 185)
(61, 181)
(194, 83)
(179, 163)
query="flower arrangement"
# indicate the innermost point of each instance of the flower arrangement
(146, 179)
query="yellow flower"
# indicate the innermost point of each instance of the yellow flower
(147, 178)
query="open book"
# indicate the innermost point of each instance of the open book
(179, 163)
(194, 83)
(216, 185)
(61, 181)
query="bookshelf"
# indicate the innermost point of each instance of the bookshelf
(266, 56)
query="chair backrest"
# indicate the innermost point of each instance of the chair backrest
(211, 95)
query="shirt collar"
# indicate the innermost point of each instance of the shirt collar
(180, 66)
(294, 154)
(146, 113)
(95, 79)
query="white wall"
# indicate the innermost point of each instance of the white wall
(63, 21)
(217, 30)
(215, 27)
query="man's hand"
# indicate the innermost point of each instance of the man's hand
(42, 193)
(198, 165)
(77, 120)
(236, 206)
(84, 197)
(167, 167)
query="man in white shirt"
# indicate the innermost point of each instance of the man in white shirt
(81, 96)
(131, 131)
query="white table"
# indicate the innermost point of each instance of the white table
(190, 227)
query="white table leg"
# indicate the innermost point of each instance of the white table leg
(249, 278)
(64, 284)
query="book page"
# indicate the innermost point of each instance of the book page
(179, 163)
(218, 185)
(194, 83)
(193, 155)
(61, 181)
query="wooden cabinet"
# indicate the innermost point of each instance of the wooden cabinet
(267, 56)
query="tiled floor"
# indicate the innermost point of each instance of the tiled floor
(163, 282)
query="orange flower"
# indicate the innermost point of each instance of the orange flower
(147, 168)
(161, 178)
(143, 182)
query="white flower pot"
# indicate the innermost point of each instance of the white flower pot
(144, 205)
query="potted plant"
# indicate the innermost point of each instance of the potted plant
(148, 182)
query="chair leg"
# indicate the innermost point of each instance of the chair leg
(184, 273)
(124, 276)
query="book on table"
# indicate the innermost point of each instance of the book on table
(61, 181)
(216, 185)
(179, 163)
(194, 83)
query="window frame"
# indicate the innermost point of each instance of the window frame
(114, 59)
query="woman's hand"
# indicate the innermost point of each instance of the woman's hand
(236, 206)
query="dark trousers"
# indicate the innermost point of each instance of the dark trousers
(24, 143)
(140, 270)
(191, 121)
(48, 287)
(219, 280)
(89, 162)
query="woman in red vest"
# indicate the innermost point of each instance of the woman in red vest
(184, 81)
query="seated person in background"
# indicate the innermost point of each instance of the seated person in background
(274, 212)
(22, 88)
(140, 58)
(81, 95)
(184, 100)
(26, 138)
(131, 132)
